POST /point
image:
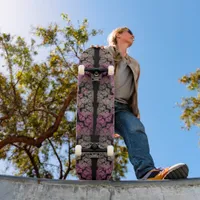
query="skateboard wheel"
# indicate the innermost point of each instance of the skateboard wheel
(78, 150)
(81, 69)
(110, 70)
(110, 150)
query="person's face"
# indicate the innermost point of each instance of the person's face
(126, 37)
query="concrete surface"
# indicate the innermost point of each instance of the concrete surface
(18, 188)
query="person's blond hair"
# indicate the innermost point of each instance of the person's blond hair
(112, 38)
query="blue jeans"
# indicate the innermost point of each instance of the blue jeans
(133, 133)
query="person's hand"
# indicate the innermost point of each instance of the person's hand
(97, 46)
(138, 116)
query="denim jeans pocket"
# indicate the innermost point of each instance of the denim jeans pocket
(121, 107)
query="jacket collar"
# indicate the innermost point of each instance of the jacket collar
(118, 56)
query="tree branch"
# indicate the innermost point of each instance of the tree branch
(22, 139)
(31, 159)
(75, 52)
(49, 133)
(69, 159)
(8, 116)
(4, 118)
(20, 74)
(36, 92)
(66, 63)
(42, 110)
(54, 150)
(54, 128)
(33, 162)
(11, 73)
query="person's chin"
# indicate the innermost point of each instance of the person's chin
(130, 43)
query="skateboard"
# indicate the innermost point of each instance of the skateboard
(94, 149)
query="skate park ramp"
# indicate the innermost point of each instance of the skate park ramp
(20, 188)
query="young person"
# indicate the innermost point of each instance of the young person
(127, 115)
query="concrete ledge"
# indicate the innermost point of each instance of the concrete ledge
(20, 188)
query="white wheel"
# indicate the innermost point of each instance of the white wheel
(111, 70)
(81, 69)
(78, 150)
(110, 150)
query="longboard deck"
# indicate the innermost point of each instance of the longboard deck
(95, 116)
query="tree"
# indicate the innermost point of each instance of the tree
(37, 135)
(191, 105)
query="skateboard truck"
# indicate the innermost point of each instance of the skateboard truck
(109, 150)
(95, 76)
(82, 70)
(94, 146)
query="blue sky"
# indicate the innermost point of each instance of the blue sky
(167, 46)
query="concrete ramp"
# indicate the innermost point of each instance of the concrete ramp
(18, 188)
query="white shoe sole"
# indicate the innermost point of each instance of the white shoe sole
(178, 171)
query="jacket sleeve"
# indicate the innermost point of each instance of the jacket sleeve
(138, 73)
(138, 116)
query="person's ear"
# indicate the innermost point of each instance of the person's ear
(118, 35)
